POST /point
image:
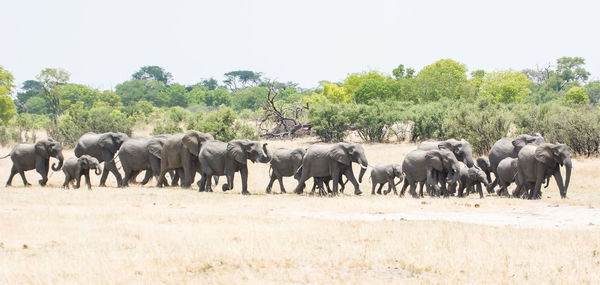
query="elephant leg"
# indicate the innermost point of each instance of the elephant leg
(104, 175)
(78, 180)
(162, 180)
(281, 188)
(381, 187)
(270, 185)
(413, 188)
(300, 187)
(66, 183)
(392, 185)
(42, 169)
(373, 185)
(244, 175)
(127, 174)
(202, 183)
(404, 186)
(87, 180)
(320, 183)
(22, 173)
(350, 175)
(229, 184)
(490, 187)
(13, 172)
(147, 177)
(433, 182)
(480, 190)
(421, 184)
(312, 191)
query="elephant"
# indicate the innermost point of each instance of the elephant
(507, 172)
(537, 163)
(75, 167)
(462, 149)
(103, 147)
(507, 147)
(470, 177)
(333, 161)
(152, 149)
(35, 156)
(220, 158)
(484, 164)
(181, 151)
(284, 163)
(386, 173)
(429, 167)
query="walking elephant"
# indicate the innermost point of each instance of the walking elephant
(103, 147)
(461, 149)
(35, 156)
(333, 161)
(470, 178)
(153, 149)
(180, 151)
(507, 147)
(484, 164)
(74, 168)
(537, 163)
(220, 158)
(385, 173)
(507, 172)
(430, 167)
(284, 163)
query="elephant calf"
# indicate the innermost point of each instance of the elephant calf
(75, 167)
(507, 171)
(469, 177)
(381, 174)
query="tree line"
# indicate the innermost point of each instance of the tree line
(373, 103)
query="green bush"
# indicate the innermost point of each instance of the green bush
(222, 124)
(330, 121)
(9, 136)
(480, 123)
(372, 122)
(578, 127)
(428, 120)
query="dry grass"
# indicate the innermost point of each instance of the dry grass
(150, 235)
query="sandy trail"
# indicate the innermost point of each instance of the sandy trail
(549, 217)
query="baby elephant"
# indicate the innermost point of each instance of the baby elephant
(507, 171)
(381, 174)
(470, 177)
(75, 167)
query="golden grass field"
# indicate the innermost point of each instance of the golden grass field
(151, 235)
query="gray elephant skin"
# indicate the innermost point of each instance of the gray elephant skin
(284, 163)
(430, 167)
(181, 151)
(385, 173)
(484, 164)
(471, 177)
(35, 156)
(333, 161)
(507, 147)
(220, 158)
(461, 149)
(74, 168)
(507, 172)
(103, 147)
(537, 163)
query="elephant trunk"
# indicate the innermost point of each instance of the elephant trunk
(568, 167)
(469, 159)
(60, 162)
(363, 168)
(267, 157)
(98, 171)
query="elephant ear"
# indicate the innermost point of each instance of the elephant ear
(106, 142)
(192, 143)
(237, 149)
(84, 162)
(389, 172)
(472, 173)
(155, 149)
(544, 154)
(41, 149)
(434, 159)
(519, 142)
(339, 154)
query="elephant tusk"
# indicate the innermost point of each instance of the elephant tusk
(362, 166)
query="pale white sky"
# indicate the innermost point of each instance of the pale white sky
(101, 43)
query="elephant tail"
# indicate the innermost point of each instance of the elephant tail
(298, 173)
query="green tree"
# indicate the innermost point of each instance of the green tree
(443, 79)
(7, 109)
(37, 105)
(401, 72)
(505, 86)
(153, 72)
(133, 91)
(52, 81)
(242, 79)
(592, 89)
(576, 95)
(175, 95)
(330, 122)
(248, 98)
(6, 82)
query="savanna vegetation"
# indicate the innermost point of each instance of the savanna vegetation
(442, 100)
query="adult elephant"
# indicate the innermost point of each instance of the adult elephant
(35, 156)
(103, 147)
(333, 161)
(461, 149)
(507, 147)
(431, 167)
(537, 163)
(138, 155)
(152, 150)
(220, 158)
(284, 163)
(181, 151)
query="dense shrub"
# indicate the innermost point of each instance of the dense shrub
(428, 120)
(222, 124)
(372, 122)
(481, 124)
(330, 122)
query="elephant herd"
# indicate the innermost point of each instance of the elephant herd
(443, 168)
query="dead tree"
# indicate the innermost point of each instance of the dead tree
(281, 122)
